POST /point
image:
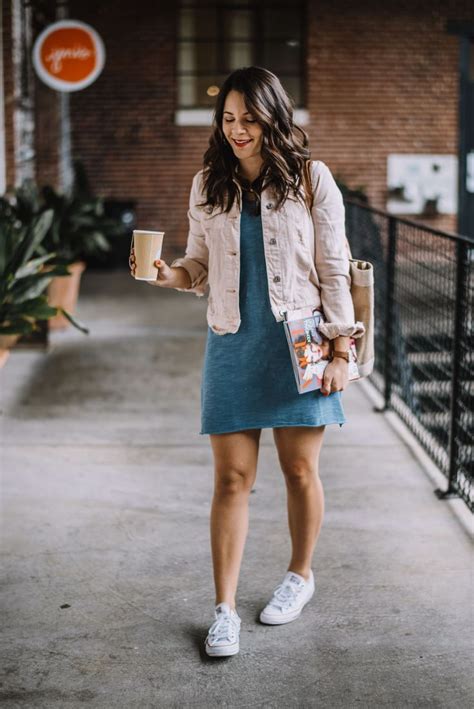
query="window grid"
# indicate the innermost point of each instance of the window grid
(257, 46)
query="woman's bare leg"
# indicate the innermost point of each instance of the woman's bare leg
(235, 469)
(298, 451)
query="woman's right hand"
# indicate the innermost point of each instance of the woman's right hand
(166, 277)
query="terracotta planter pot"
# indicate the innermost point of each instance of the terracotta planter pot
(6, 344)
(63, 291)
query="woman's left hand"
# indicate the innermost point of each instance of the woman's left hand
(336, 376)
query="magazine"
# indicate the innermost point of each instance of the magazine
(311, 351)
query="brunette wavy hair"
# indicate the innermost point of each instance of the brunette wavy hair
(284, 143)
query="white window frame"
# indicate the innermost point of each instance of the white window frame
(203, 116)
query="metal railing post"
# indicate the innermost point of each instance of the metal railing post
(390, 311)
(459, 352)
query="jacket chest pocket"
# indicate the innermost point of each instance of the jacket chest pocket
(215, 228)
(297, 227)
(297, 247)
(297, 221)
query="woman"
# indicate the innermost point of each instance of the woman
(253, 241)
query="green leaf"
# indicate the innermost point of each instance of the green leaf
(4, 240)
(16, 327)
(60, 261)
(39, 311)
(39, 228)
(59, 270)
(29, 287)
(29, 307)
(74, 321)
(83, 220)
(32, 265)
(101, 242)
(12, 237)
(56, 234)
(34, 235)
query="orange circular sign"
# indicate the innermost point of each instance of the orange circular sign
(68, 55)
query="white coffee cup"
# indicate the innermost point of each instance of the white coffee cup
(147, 246)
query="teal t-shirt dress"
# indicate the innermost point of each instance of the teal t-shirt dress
(247, 376)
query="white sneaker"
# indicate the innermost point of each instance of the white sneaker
(223, 636)
(289, 599)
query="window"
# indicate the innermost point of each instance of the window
(214, 38)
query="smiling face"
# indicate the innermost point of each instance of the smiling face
(240, 128)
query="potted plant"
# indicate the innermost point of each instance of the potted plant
(79, 229)
(23, 279)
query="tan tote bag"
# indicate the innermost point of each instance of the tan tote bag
(362, 292)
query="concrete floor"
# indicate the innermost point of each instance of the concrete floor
(107, 575)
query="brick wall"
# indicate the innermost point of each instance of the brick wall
(382, 78)
(123, 124)
(47, 126)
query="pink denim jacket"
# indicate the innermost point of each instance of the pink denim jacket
(306, 258)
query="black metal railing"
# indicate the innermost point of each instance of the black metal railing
(424, 355)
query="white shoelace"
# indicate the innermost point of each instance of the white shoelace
(224, 628)
(284, 596)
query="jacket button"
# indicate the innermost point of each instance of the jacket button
(276, 279)
(269, 205)
(273, 241)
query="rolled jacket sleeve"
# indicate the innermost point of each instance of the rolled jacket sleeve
(332, 256)
(196, 257)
